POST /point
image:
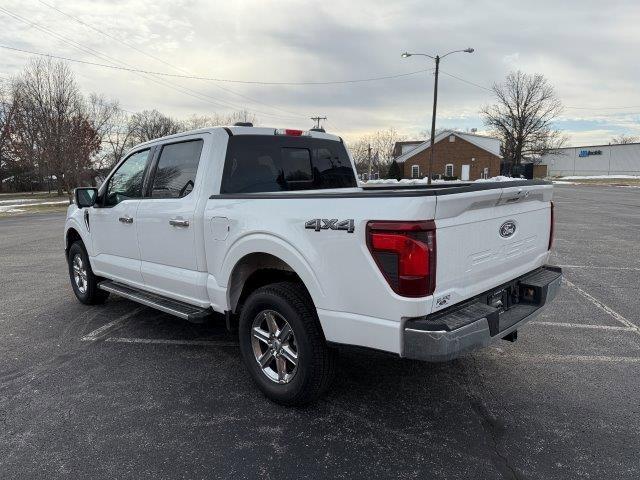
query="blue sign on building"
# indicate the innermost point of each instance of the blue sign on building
(588, 153)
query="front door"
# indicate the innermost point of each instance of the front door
(167, 224)
(113, 222)
(464, 173)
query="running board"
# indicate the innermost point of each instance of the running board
(182, 310)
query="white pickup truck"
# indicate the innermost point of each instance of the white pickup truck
(270, 228)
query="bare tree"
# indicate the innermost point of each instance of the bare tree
(8, 109)
(624, 139)
(523, 116)
(381, 143)
(116, 140)
(359, 150)
(101, 114)
(56, 131)
(193, 122)
(151, 124)
(239, 116)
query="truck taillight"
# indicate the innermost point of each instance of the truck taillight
(405, 252)
(552, 227)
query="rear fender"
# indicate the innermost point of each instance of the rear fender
(279, 248)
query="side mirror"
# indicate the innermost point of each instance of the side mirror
(85, 196)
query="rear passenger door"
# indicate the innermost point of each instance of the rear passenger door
(167, 224)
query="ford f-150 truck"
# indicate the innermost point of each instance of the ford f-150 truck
(270, 228)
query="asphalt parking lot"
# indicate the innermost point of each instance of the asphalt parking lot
(123, 391)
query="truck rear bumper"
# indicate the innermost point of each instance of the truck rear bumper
(480, 321)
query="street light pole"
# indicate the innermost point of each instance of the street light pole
(433, 119)
(437, 59)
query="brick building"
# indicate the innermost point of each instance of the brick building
(467, 156)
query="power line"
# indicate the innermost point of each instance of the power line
(466, 81)
(566, 106)
(185, 90)
(108, 35)
(195, 77)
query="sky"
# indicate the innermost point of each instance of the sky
(588, 51)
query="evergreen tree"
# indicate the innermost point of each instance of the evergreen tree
(394, 171)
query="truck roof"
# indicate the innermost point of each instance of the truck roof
(238, 130)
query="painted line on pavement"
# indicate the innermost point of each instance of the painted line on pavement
(608, 310)
(585, 326)
(565, 358)
(161, 341)
(633, 269)
(100, 332)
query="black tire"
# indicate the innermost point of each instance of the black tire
(315, 360)
(91, 295)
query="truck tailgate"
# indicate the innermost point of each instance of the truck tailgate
(488, 237)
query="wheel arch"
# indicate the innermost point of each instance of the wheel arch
(71, 235)
(261, 257)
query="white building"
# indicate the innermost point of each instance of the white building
(594, 160)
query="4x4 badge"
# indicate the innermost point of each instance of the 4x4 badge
(318, 224)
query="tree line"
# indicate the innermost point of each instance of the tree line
(53, 136)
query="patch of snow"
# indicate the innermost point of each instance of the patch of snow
(596, 177)
(59, 202)
(499, 178)
(424, 181)
(9, 208)
(19, 200)
(560, 182)
(13, 210)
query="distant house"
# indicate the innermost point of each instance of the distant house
(400, 148)
(467, 156)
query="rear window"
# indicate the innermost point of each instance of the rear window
(261, 163)
(176, 171)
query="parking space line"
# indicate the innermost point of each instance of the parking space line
(162, 341)
(633, 269)
(608, 310)
(100, 332)
(585, 326)
(564, 358)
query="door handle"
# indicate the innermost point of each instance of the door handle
(174, 222)
(126, 219)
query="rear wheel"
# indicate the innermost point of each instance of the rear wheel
(283, 346)
(83, 281)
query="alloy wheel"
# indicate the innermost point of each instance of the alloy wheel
(79, 273)
(274, 346)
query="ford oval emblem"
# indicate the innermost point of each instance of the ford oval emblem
(507, 229)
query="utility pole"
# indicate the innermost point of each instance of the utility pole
(369, 156)
(317, 120)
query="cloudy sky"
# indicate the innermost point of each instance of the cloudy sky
(588, 51)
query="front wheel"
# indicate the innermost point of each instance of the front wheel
(83, 281)
(283, 346)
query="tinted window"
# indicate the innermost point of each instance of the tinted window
(127, 181)
(295, 165)
(176, 171)
(261, 163)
